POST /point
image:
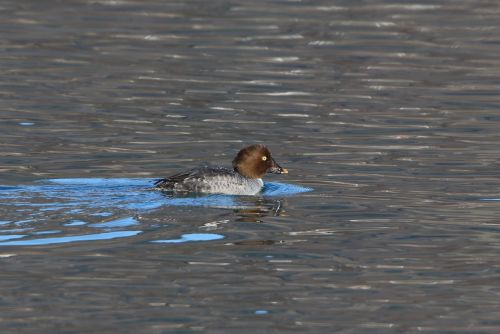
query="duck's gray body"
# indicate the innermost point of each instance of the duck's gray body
(213, 180)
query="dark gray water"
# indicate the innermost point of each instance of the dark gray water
(389, 111)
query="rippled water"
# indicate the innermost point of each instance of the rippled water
(58, 202)
(387, 115)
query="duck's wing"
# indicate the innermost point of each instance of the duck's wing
(191, 177)
(179, 177)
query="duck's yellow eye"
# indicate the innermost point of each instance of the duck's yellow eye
(264, 158)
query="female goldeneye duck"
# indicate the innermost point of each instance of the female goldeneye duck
(249, 166)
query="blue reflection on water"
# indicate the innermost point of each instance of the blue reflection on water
(192, 237)
(133, 194)
(75, 222)
(73, 238)
(122, 222)
(47, 232)
(11, 236)
(99, 198)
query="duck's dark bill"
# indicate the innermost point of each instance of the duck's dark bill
(278, 170)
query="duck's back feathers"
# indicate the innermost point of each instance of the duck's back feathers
(210, 180)
(192, 174)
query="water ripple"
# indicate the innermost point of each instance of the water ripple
(192, 237)
(66, 239)
(106, 206)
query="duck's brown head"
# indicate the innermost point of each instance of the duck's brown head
(255, 161)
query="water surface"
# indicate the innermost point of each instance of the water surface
(98, 202)
(388, 110)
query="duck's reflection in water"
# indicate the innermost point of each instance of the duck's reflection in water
(248, 208)
(263, 207)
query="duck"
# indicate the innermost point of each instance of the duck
(244, 178)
